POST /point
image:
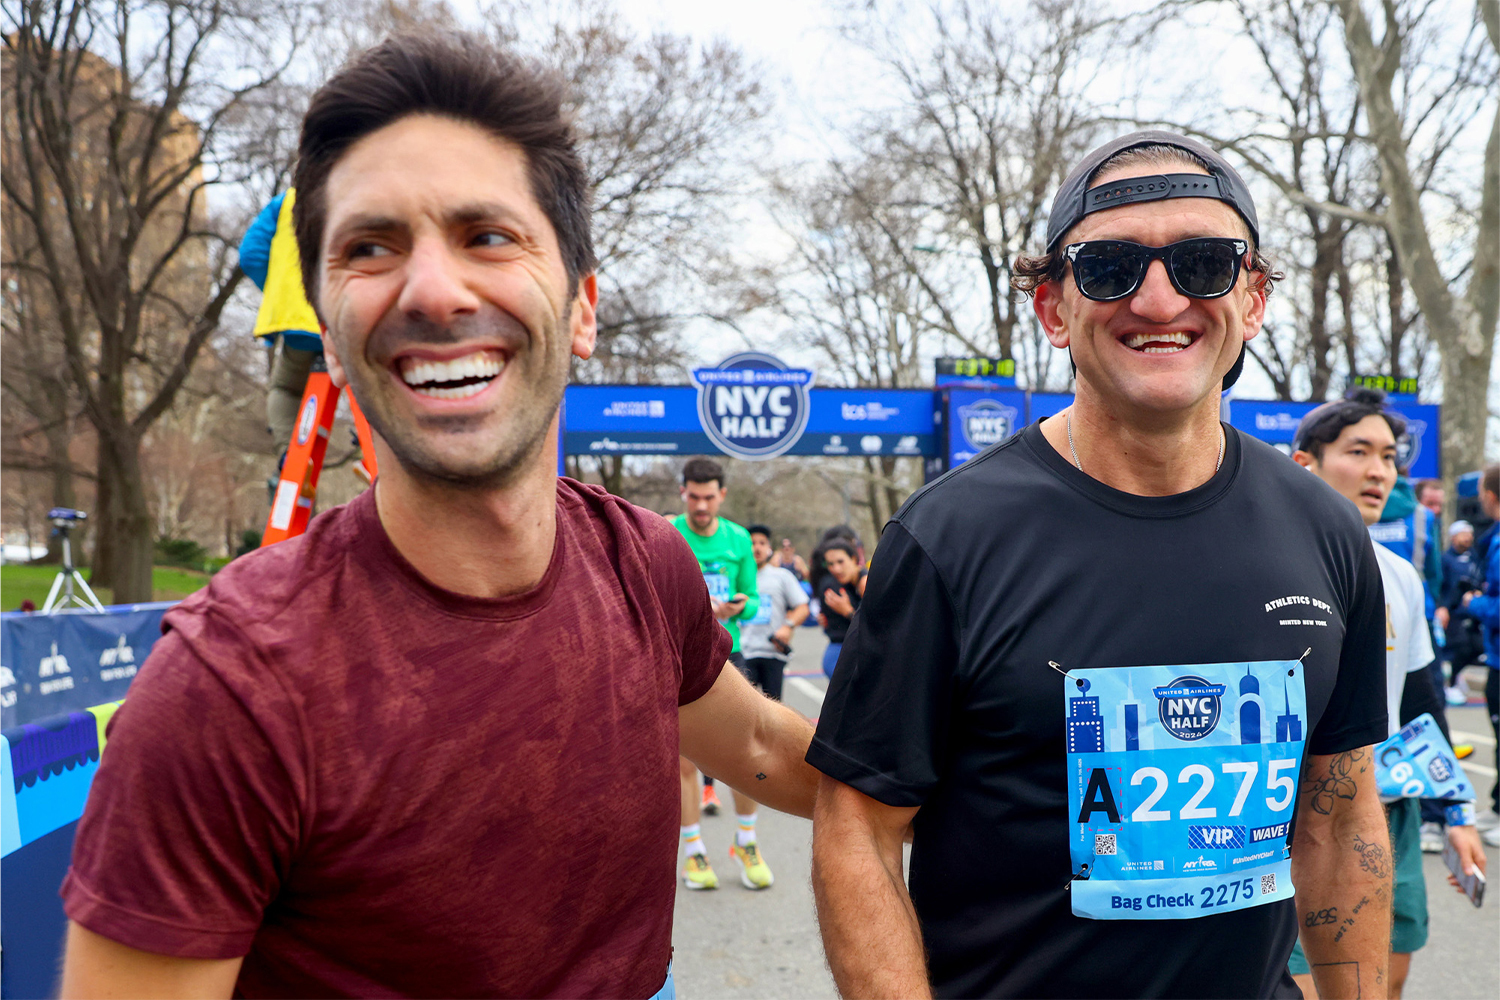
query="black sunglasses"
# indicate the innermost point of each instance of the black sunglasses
(1202, 268)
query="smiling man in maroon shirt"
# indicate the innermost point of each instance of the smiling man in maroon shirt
(351, 766)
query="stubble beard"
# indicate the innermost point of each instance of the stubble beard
(508, 450)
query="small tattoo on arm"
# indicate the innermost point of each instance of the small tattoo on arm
(761, 775)
(1372, 858)
(1342, 977)
(1338, 782)
(1316, 918)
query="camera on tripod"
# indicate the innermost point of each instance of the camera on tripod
(65, 517)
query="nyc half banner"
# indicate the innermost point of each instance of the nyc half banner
(1181, 787)
(46, 769)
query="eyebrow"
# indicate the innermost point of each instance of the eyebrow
(1371, 444)
(462, 215)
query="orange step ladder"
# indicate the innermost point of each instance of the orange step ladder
(292, 504)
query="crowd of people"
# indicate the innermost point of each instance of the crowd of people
(1119, 680)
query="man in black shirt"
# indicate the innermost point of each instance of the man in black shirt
(1092, 662)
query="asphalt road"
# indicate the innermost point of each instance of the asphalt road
(736, 943)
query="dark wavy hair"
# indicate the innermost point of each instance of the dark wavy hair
(1323, 425)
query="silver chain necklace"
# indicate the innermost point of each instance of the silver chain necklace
(1068, 422)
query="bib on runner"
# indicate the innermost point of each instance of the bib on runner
(1181, 787)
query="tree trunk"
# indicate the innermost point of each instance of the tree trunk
(102, 561)
(126, 519)
(59, 436)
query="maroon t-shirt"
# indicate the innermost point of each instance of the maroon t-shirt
(370, 786)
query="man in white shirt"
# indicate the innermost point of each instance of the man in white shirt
(766, 639)
(1350, 444)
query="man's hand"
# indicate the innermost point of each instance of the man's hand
(783, 635)
(1441, 617)
(1343, 869)
(751, 743)
(95, 966)
(870, 930)
(725, 610)
(1465, 840)
(838, 602)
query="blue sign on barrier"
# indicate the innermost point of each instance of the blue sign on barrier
(53, 664)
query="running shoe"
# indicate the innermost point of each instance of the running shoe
(1487, 820)
(1463, 750)
(1432, 838)
(1454, 697)
(711, 801)
(1491, 836)
(754, 874)
(698, 873)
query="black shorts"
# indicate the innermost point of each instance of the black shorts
(765, 673)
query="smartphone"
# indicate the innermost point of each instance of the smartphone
(1472, 885)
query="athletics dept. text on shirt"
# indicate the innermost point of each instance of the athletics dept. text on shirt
(1181, 783)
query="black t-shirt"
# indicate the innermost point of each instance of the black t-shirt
(944, 698)
(838, 625)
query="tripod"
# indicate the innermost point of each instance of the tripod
(68, 577)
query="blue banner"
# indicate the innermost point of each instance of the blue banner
(667, 420)
(54, 664)
(1181, 787)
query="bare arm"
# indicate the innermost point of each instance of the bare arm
(1343, 868)
(796, 616)
(870, 929)
(751, 743)
(95, 966)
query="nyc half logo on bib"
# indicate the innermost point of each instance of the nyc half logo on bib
(1181, 785)
(752, 405)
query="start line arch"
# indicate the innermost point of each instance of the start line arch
(755, 407)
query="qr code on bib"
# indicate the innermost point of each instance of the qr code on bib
(1104, 843)
(1268, 884)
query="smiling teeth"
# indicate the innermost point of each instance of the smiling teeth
(475, 370)
(1135, 342)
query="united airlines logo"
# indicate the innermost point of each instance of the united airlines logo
(986, 422)
(752, 405)
(1189, 707)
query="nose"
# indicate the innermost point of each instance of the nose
(1157, 300)
(435, 289)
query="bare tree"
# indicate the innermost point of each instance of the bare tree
(127, 116)
(993, 113)
(1462, 326)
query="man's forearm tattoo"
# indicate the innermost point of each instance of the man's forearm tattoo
(1372, 858)
(1338, 782)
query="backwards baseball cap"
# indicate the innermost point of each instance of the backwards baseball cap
(1075, 198)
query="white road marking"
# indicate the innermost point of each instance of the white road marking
(1480, 768)
(808, 689)
(1463, 737)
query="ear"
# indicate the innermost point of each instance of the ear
(1304, 459)
(1255, 309)
(336, 371)
(1051, 312)
(585, 316)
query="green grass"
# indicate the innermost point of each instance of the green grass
(17, 583)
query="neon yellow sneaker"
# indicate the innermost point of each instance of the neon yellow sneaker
(755, 874)
(698, 874)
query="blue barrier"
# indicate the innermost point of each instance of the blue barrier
(46, 770)
(54, 664)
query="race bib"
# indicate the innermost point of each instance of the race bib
(762, 613)
(1181, 787)
(1417, 763)
(718, 583)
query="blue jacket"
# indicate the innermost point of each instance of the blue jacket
(1486, 607)
(1397, 531)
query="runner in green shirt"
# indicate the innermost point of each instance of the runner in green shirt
(728, 563)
